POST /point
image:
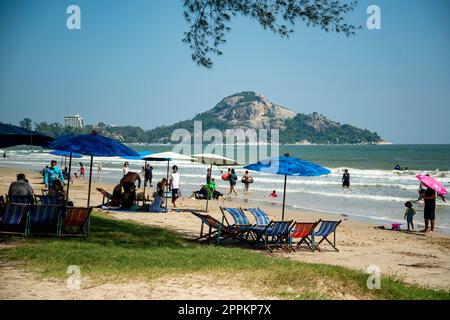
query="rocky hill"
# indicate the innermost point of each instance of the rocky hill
(246, 110)
(249, 109)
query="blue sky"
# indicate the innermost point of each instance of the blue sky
(128, 65)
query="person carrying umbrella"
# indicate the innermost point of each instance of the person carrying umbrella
(434, 188)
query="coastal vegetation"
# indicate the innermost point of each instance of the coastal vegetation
(243, 110)
(122, 251)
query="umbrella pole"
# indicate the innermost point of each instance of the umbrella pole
(207, 191)
(145, 181)
(68, 179)
(90, 180)
(284, 197)
(167, 187)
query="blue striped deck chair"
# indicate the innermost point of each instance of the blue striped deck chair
(239, 218)
(261, 218)
(46, 199)
(13, 218)
(276, 233)
(21, 199)
(325, 228)
(43, 219)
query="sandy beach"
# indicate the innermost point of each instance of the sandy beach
(414, 258)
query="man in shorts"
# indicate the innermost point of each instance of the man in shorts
(174, 184)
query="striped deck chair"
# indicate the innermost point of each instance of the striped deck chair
(240, 219)
(46, 200)
(43, 219)
(276, 233)
(216, 230)
(304, 232)
(75, 222)
(261, 218)
(13, 218)
(21, 199)
(325, 229)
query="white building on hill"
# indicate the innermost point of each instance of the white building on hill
(73, 121)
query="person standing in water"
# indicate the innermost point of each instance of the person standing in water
(346, 179)
(148, 175)
(246, 180)
(233, 179)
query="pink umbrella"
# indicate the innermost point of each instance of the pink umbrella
(432, 183)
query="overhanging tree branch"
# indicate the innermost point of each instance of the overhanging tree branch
(209, 20)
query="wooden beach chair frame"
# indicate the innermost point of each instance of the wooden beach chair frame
(325, 228)
(216, 230)
(106, 195)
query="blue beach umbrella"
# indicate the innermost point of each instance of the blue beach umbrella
(91, 144)
(288, 166)
(141, 155)
(64, 155)
(14, 136)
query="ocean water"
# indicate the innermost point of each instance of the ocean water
(377, 194)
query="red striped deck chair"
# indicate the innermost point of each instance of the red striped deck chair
(13, 218)
(75, 222)
(43, 220)
(304, 232)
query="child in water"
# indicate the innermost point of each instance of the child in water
(409, 215)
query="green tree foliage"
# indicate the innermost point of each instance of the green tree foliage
(210, 20)
(26, 123)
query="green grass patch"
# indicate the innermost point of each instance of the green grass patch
(118, 250)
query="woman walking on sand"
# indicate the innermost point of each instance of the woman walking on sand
(233, 179)
(81, 170)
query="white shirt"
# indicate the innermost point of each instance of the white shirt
(175, 180)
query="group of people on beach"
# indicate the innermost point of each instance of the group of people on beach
(53, 179)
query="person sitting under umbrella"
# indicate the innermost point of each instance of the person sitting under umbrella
(128, 182)
(21, 187)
